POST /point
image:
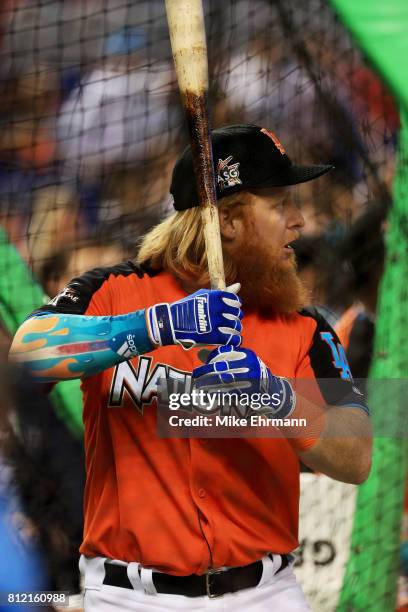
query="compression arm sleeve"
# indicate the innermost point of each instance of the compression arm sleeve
(57, 346)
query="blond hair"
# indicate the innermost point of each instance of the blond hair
(177, 245)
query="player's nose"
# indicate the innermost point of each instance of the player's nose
(295, 219)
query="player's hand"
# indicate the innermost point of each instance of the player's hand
(205, 317)
(240, 371)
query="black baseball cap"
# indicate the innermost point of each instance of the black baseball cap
(245, 156)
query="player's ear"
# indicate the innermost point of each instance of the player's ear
(230, 220)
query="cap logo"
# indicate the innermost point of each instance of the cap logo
(227, 175)
(275, 140)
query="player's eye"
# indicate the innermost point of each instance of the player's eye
(279, 202)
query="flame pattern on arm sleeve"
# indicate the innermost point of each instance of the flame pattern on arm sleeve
(57, 346)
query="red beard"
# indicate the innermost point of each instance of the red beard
(269, 284)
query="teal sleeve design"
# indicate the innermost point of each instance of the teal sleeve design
(64, 346)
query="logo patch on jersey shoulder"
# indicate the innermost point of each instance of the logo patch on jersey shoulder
(339, 355)
(68, 293)
(227, 173)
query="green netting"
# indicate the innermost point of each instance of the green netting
(371, 577)
(372, 571)
(19, 295)
(381, 29)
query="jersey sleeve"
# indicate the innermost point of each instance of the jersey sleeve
(326, 362)
(88, 294)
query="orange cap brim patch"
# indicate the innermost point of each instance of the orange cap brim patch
(275, 140)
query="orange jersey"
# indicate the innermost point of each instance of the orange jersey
(176, 504)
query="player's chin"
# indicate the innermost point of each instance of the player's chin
(288, 257)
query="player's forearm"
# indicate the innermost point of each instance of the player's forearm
(64, 346)
(343, 449)
(56, 346)
(334, 440)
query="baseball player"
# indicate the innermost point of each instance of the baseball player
(176, 522)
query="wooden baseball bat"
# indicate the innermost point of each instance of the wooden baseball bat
(188, 43)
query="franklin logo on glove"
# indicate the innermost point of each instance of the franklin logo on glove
(203, 318)
(202, 314)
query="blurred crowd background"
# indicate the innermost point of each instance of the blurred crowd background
(90, 128)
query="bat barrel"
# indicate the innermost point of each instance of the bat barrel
(188, 42)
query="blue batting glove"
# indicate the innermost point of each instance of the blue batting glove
(240, 371)
(205, 317)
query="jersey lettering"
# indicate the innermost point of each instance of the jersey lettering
(142, 385)
(125, 378)
(339, 355)
(150, 390)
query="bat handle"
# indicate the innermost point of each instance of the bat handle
(211, 225)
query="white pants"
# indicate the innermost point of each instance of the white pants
(278, 592)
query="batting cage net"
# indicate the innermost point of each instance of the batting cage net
(91, 127)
